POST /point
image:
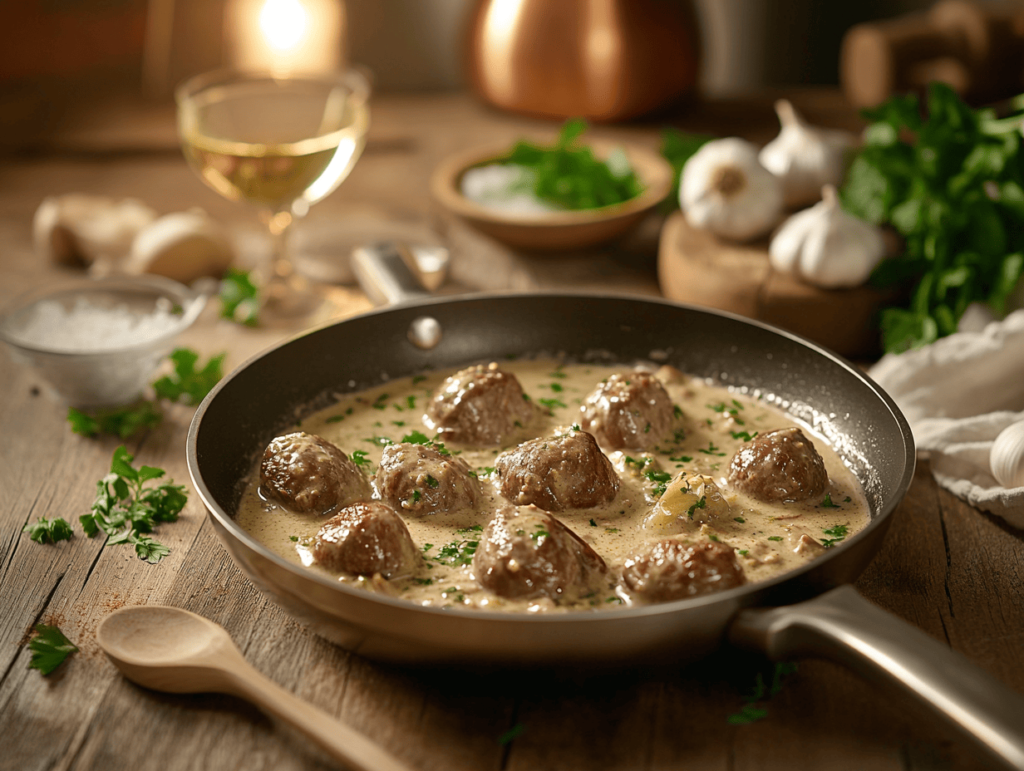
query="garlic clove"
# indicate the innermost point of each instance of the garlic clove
(826, 246)
(805, 157)
(726, 190)
(183, 246)
(78, 229)
(1006, 458)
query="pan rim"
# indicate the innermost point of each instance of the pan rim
(879, 519)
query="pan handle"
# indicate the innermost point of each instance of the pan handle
(843, 627)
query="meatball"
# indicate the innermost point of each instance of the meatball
(310, 475)
(420, 480)
(364, 539)
(628, 411)
(527, 553)
(779, 465)
(671, 569)
(564, 472)
(479, 406)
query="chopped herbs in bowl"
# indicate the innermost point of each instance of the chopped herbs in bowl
(564, 195)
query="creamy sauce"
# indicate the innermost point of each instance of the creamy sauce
(710, 425)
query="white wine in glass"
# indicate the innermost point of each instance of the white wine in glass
(280, 144)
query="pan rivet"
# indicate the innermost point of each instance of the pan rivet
(425, 332)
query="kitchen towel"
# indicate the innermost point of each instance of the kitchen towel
(958, 394)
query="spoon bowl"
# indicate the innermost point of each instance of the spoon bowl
(175, 651)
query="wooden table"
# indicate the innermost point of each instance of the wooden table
(946, 568)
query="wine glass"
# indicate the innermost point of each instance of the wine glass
(280, 144)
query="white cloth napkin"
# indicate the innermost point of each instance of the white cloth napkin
(958, 394)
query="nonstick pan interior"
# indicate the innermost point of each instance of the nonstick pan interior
(270, 392)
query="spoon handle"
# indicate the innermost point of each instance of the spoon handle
(343, 743)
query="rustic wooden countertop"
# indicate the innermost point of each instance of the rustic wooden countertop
(956, 573)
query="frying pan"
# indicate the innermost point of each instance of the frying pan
(267, 394)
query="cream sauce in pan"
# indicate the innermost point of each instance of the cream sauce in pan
(711, 424)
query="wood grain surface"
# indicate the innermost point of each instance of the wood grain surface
(954, 572)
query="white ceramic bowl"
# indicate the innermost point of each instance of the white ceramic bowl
(97, 342)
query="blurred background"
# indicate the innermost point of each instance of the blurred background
(55, 53)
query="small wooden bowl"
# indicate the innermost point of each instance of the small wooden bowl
(553, 231)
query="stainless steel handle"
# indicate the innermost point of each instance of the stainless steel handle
(842, 626)
(385, 272)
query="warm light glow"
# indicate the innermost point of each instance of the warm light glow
(284, 23)
(499, 24)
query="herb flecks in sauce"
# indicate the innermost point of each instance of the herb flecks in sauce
(447, 543)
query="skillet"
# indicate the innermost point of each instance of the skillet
(267, 394)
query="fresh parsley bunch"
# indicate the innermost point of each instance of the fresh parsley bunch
(952, 184)
(569, 175)
(126, 510)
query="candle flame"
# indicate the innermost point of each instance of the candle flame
(284, 23)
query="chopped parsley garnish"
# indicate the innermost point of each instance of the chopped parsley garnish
(677, 411)
(418, 437)
(380, 441)
(470, 529)
(48, 530)
(125, 509)
(359, 458)
(576, 427)
(539, 533)
(827, 503)
(775, 538)
(712, 450)
(399, 423)
(746, 436)
(701, 503)
(381, 402)
(741, 520)
(335, 419)
(556, 387)
(556, 373)
(593, 523)
(293, 538)
(552, 403)
(713, 537)
(49, 648)
(431, 482)
(728, 409)
(457, 552)
(611, 529)
(847, 499)
(838, 533)
(415, 497)
(742, 552)
(417, 379)
(682, 459)
(750, 712)
(660, 480)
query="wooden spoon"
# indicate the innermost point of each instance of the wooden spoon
(172, 650)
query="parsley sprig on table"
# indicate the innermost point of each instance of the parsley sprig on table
(568, 175)
(49, 648)
(127, 510)
(45, 530)
(952, 184)
(185, 384)
(240, 298)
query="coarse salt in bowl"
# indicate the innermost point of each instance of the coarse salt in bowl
(97, 342)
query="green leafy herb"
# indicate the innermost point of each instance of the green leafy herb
(359, 458)
(741, 520)
(660, 480)
(552, 403)
(746, 436)
(188, 384)
(380, 441)
(432, 483)
(750, 712)
(569, 176)
(48, 531)
(457, 552)
(827, 503)
(239, 298)
(952, 185)
(838, 533)
(712, 450)
(593, 523)
(123, 422)
(126, 509)
(775, 538)
(49, 648)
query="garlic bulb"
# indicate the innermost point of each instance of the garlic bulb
(78, 229)
(726, 190)
(805, 157)
(1007, 456)
(827, 247)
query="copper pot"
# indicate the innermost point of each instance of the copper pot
(605, 60)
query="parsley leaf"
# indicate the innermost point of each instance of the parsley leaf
(125, 509)
(239, 298)
(48, 531)
(838, 533)
(123, 422)
(188, 384)
(49, 648)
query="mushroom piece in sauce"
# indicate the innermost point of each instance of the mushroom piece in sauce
(689, 501)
